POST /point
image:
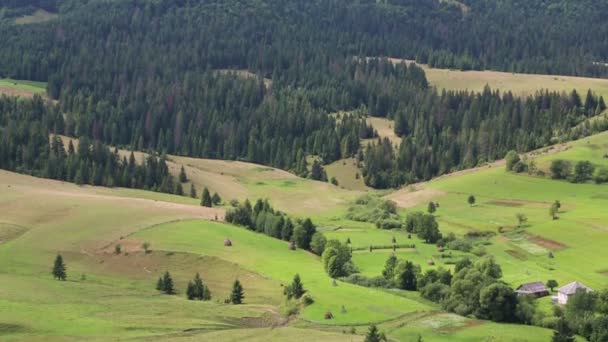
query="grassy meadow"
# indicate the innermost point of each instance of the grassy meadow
(105, 294)
(22, 88)
(518, 84)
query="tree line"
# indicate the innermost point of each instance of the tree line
(28, 145)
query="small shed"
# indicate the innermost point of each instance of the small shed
(227, 242)
(564, 293)
(536, 289)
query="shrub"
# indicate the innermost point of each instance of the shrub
(464, 245)
(560, 169)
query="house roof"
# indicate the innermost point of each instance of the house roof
(574, 287)
(534, 287)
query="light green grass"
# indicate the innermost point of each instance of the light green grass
(273, 259)
(30, 86)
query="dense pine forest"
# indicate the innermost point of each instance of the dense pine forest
(151, 76)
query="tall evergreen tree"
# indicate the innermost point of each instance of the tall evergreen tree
(372, 334)
(59, 268)
(206, 200)
(237, 294)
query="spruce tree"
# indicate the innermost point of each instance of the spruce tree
(216, 199)
(206, 198)
(372, 334)
(167, 284)
(190, 291)
(160, 285)
(192, 191)
(182, 175)
(59, 268)
(237, 294)
(296, 288)
(471, 200)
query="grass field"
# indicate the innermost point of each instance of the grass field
(105, 293)
(518, 84)
(21, 88)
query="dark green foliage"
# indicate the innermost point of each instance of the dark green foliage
(165, 284)
(551, 284)
(182, 175)
(471, 200)
(216, 199)
(59, 269)
(562, 333)
(197, 290)
(560, 169)
(317, 244)
(431, 208)
(583, 171)
(406, 278)
(295, 289)
(237, 294)
(303, 233)
(317, 172)
(372, 334)
(206, 198)
(498, 303)
(192, 191)
(425, 225)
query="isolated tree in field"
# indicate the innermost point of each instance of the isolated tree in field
(192, 191)
(237, 294)
(551, 283)
(511, 159)
(182, 175)
(471, 200)
(372, 334)
(206, 198)
(146, 247)
(295, 289)
(216, 199)
(406, 280)
(59, 269)
(562, 332)
(521, 219)
(117, 249)
(431, 208)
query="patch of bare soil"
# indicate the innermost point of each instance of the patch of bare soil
(16, 92)
(504, 203)
(517, 254)
(546, 243)
(412, 196)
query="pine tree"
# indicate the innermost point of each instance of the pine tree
(182, 175)
(372, 334)
(471, 200)
(190, 291)
(296, 288)
(206, 198)
(198, 287)
(407, 278)
(192, 191)
(59, 268)
(431, 207)
(237, 294)
(160, 285)
(167, 284)
(216, 199)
